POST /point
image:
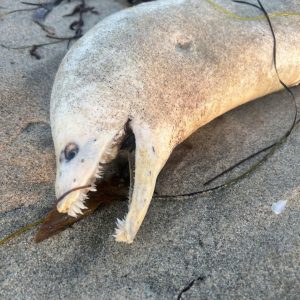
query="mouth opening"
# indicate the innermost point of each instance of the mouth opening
(114, 170)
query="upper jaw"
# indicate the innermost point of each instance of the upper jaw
(74, 202)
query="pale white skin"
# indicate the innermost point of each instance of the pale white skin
(166, 79)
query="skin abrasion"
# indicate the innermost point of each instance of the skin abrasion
(140, 70)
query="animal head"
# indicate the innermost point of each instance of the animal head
(81, 152)
(85, 137)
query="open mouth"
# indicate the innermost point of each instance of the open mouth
(114, 161)
(73, 202)
(113, 187)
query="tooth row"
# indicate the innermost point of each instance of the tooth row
(93, 188)
(120, 227)
(120, 224)
(77, 207)
(99, 172)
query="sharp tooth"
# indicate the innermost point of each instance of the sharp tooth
(76, 209)
(72, 213)
(81, 197)
(117, 232)
(119, 223)
(80, 205)
(93, 189)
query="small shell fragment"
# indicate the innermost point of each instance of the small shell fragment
(279, 206)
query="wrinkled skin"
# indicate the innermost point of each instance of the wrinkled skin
(164, 68)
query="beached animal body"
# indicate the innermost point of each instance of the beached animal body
(163, 69)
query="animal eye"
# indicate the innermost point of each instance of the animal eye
(70, 151)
